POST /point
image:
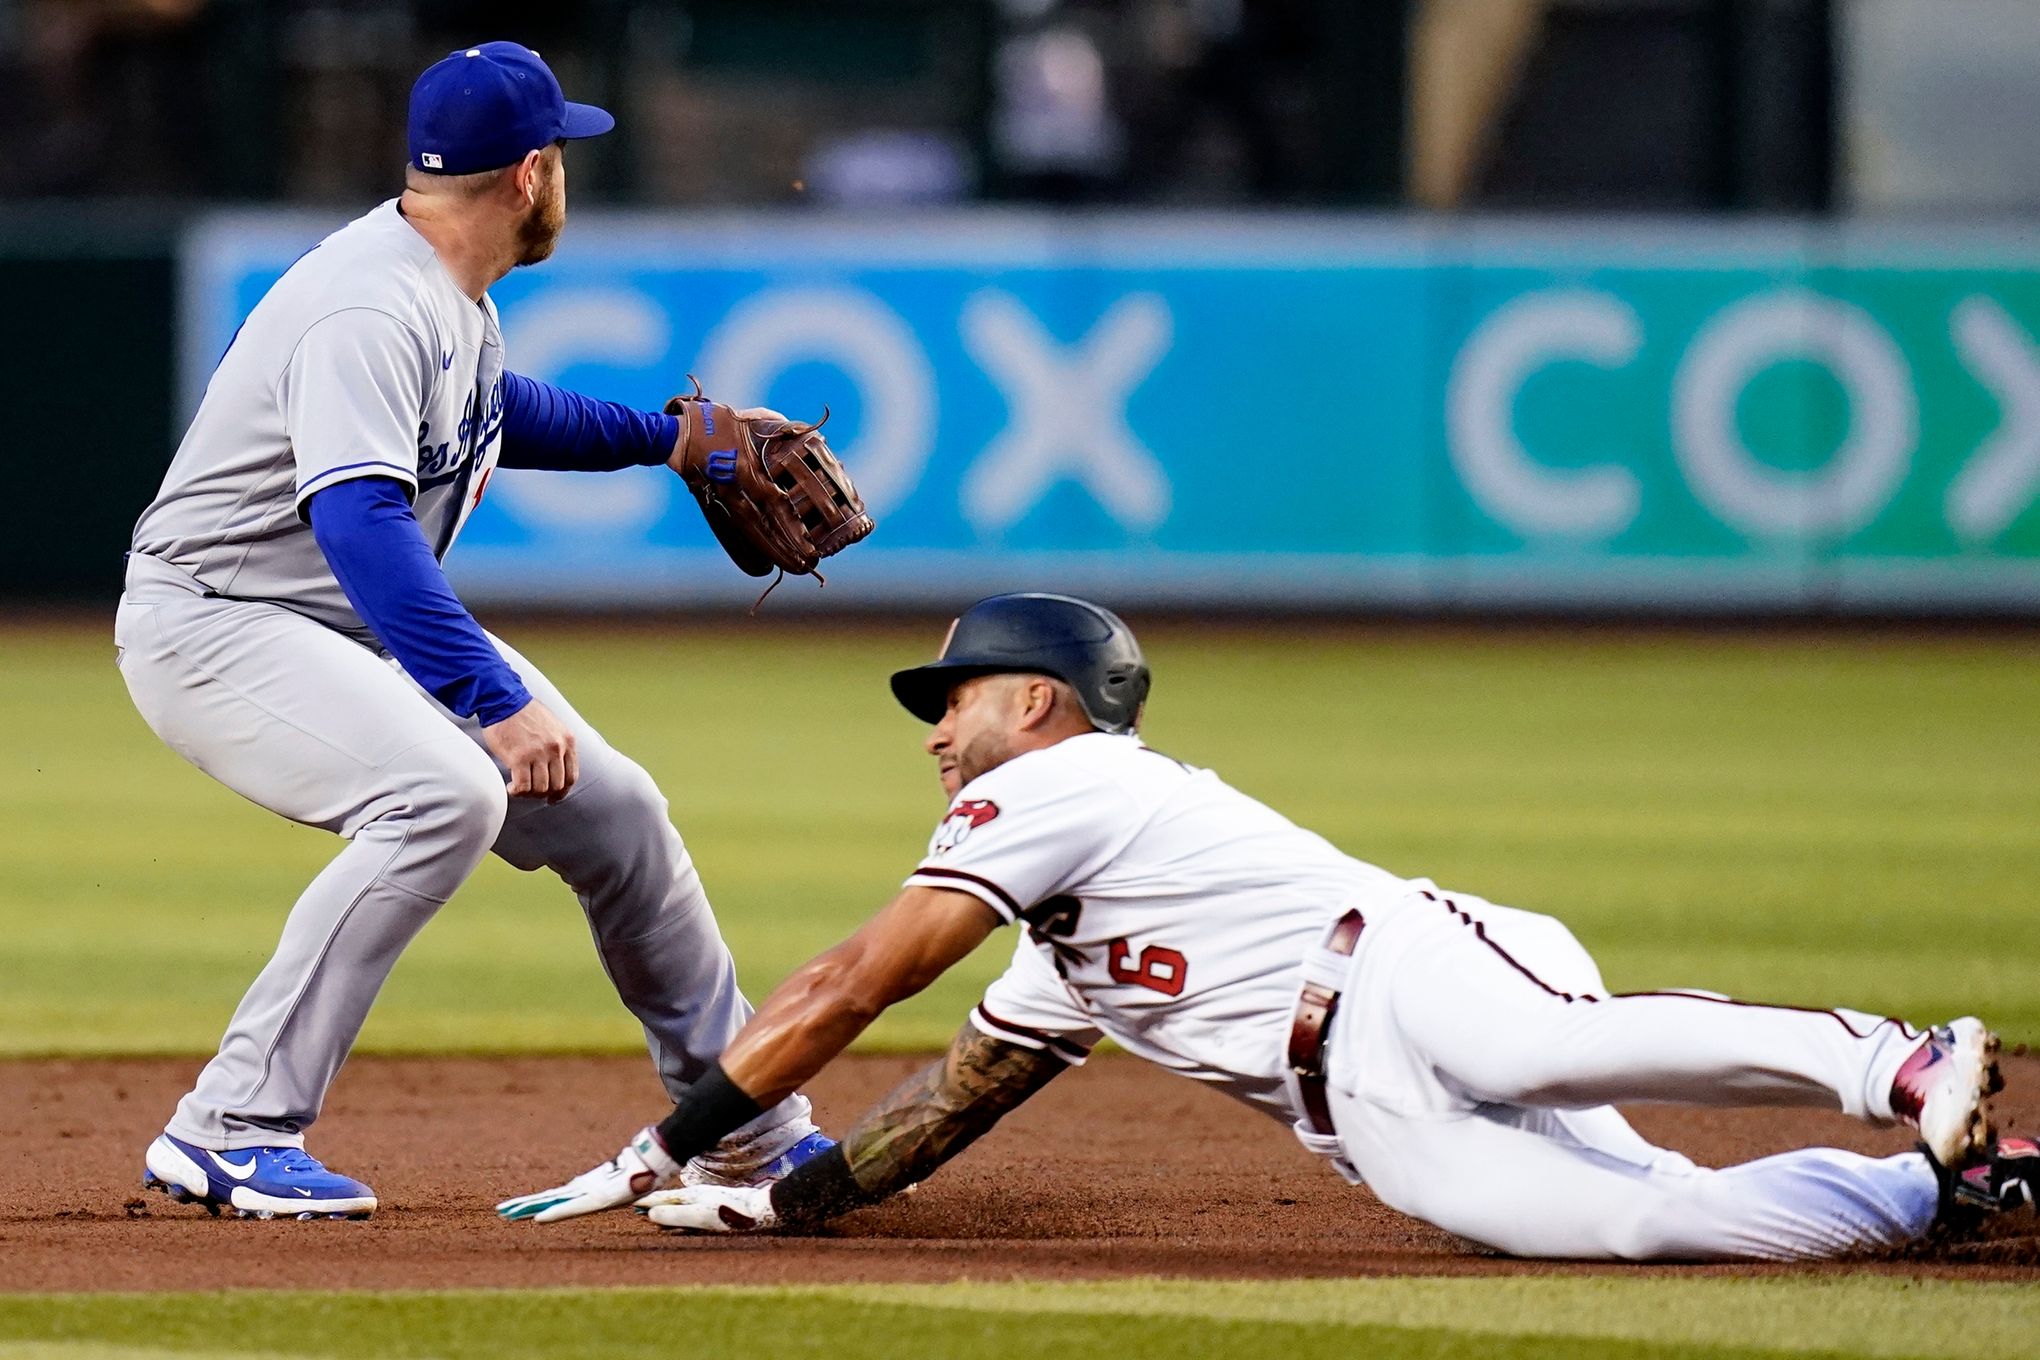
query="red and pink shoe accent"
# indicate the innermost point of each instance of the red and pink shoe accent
(1941, 1089)
(2009, 1178)
(2007, 1181)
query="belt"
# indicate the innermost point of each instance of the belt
(1315, 1006)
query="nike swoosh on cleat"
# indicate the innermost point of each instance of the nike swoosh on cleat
(298, 1189)
(234, 1169)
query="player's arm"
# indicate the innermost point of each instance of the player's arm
(806, 1022)
(350, 394)
(815, 1014)
(972, 882)
(378, 553)
(924, 1122)
(1029, 1027)
(373, 542)
(549, 428)
(1025, 852)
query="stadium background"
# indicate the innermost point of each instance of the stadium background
(1582, 450)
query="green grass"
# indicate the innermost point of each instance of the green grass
(1824, 819)
(1521, 1317)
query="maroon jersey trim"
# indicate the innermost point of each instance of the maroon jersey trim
(1012, 908)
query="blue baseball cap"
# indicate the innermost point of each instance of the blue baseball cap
(482, 108)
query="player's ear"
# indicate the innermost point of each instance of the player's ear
(527, 176)
(1037, 700)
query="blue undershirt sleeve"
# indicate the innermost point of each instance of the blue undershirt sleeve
(555, 430)
(379, 555)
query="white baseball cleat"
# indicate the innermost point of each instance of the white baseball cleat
(1941, 1088)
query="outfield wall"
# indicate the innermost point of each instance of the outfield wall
(1313, 410)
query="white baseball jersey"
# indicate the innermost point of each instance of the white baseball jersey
(1162, 907)
(364, 360)
(1474, 1045)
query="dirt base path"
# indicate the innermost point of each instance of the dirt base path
(1117, 1169)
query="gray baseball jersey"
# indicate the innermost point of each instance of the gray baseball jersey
(364, 360)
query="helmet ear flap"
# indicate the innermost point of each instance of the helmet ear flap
(1124, 687)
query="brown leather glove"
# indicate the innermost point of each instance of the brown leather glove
(770, 488)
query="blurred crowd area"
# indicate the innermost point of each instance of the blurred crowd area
(1794, 105)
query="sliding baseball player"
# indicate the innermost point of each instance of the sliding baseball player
(1461, 1058)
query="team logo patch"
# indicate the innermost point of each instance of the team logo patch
(962, 819)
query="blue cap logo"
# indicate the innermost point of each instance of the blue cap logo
(483, 108)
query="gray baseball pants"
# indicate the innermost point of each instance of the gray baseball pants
(317, 728)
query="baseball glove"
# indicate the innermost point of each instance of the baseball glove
(770, 488)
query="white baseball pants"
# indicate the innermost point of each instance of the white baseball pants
(1475, 1060)
(317, 728)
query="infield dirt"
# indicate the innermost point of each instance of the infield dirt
(1117, 1169)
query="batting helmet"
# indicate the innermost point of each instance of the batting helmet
(1086, 647)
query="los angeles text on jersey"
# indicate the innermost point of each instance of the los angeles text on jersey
(471, 438)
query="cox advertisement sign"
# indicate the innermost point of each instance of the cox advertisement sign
(1297, 410)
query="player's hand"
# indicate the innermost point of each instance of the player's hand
(712, 1209)
(538, 751)
(642, 1166)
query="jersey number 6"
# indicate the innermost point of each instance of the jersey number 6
(1160, 968)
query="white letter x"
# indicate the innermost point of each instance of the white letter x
(1997, 484)
(1068, 410)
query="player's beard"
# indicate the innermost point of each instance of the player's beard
(985, 751)
(540, 230)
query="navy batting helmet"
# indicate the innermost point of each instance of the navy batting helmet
(1084, 646)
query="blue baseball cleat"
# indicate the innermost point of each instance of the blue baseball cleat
(731, 1170)
(263, 1182)
(806, 1150)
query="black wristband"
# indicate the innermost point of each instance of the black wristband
(818, 1190)
(713, 1108)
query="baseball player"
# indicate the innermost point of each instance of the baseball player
(288, 629)
(1461, 1057)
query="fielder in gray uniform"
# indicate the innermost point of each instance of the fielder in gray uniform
(286, 627)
